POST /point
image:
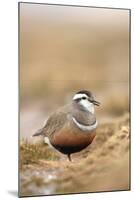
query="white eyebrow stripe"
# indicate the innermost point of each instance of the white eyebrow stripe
(78, 96)
(85, 128)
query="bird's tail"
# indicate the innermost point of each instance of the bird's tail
(39, 132)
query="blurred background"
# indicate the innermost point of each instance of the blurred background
(64, 49)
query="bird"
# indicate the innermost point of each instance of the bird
(71, 128)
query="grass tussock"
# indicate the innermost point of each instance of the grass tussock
(32, 153)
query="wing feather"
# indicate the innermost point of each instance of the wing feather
(55, 122)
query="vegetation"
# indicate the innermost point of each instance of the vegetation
(103, 166)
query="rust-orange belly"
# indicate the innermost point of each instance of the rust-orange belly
(70, 141)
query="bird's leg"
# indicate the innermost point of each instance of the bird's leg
(69, 157)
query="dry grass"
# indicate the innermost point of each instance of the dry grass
(31, 153)
(103, 166)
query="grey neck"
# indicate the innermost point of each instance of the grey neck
(83, 116)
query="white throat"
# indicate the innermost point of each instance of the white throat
(87, 105)
(84, 102)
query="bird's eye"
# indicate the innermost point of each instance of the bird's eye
(83, 97)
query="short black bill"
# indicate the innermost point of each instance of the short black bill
(96, 103)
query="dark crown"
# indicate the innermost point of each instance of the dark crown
(88, 93)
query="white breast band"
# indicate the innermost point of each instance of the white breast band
(83, 127)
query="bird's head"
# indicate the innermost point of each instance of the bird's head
(85, 100)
